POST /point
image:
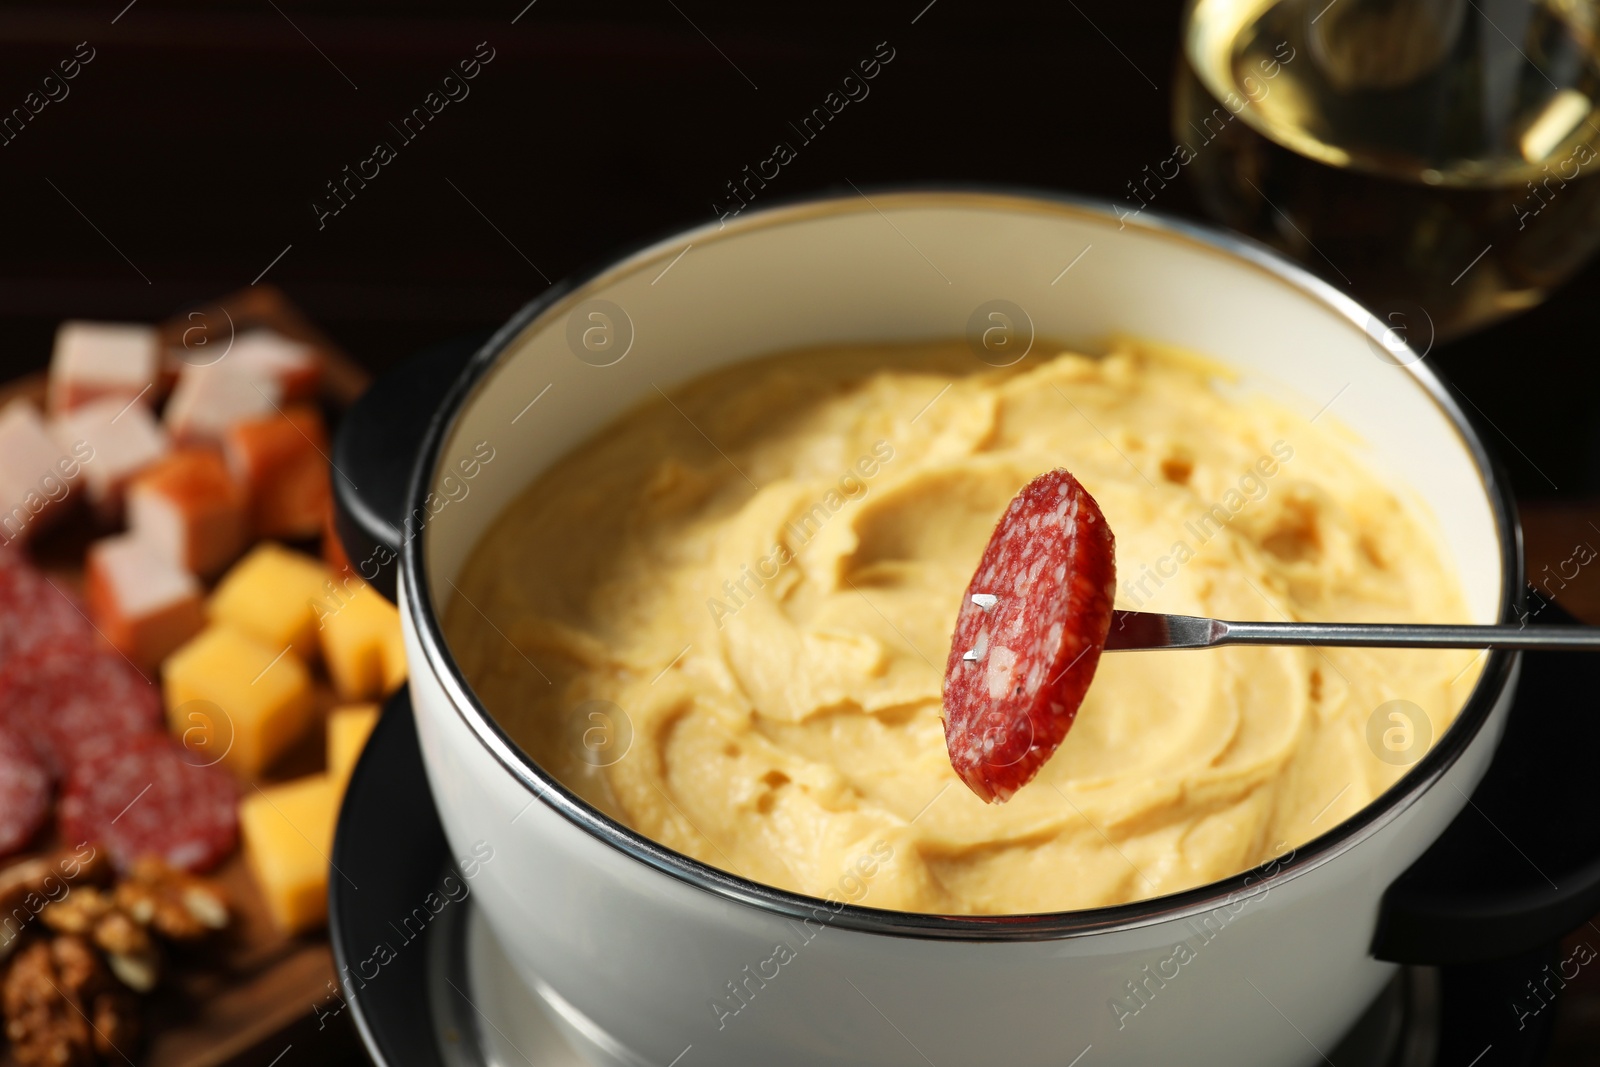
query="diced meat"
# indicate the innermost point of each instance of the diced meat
(150, 797)
(190, 507)
(103, 361)
(69, 693)
(281, 460)
(1029, 635)
(24, 792)
(36, 474)
(116, 441)
(209, 399)
(296, 367)
(208, 333)
(140, 599)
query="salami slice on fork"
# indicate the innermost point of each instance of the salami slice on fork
(1029, 636)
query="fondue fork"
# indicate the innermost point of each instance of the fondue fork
(1133, 631)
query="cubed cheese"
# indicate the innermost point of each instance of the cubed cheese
(103, 360)
(189, 506)
(362, 644)
(287, 832)
(348, 730)
(262, 693)
(143, 602)
(281, 459)
(116, 441)
(296, 367)
(36, 474)
(210, 398)
(276, 595)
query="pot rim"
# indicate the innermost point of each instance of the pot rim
(1043, 926)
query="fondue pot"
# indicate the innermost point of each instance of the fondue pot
(643, 955)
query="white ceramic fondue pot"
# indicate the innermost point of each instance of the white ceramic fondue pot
(645, 956)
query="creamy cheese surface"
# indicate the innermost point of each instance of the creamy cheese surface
(724, 621)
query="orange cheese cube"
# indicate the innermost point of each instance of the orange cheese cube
(257, 697)
(348, 730)
(362, 644)
(275, 595)
(287, 831)
(140, 600)
(281, 460)
(189, 506)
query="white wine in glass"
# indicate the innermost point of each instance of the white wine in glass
(1437, 158)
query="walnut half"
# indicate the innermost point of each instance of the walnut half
(62, 1008)
(91, 913)
(175, 904)
(29, 885)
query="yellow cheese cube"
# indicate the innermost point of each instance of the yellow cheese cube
(287, 831)
(348, 729)
(255, 699)
(275, 595)
(362, 646)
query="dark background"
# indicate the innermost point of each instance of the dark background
(190, 150)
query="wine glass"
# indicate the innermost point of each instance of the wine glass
(1436, 157)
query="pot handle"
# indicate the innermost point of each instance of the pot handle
(1519, 868)
(375, 450)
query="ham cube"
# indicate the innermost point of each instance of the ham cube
(190, 507)
(296, 367)
(116, 441)
(144, 603)
(36, 475)
(281, 461)
(101, 360)
(209, 399)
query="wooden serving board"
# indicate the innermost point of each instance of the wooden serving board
(255, 993)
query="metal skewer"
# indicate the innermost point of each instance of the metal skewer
(1140, 630)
